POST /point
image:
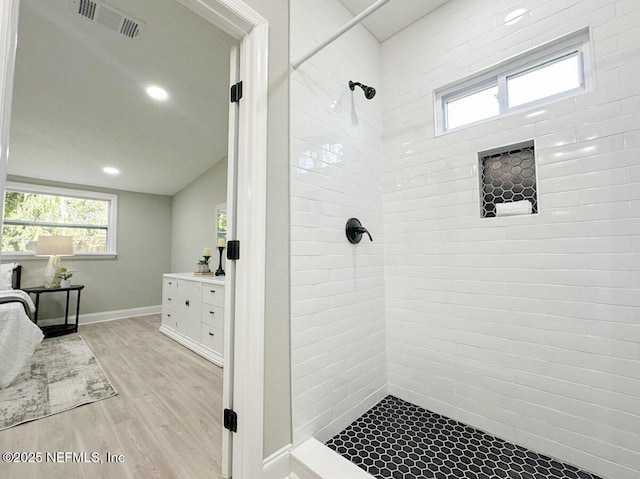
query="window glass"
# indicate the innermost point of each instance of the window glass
(544, 81)
(473, 107)
(30, 214)
(550, 72)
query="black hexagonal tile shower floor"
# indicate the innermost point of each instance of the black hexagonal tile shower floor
(399, 440)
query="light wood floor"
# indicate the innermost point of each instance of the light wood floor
(165, 419)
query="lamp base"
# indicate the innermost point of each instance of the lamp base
(51, 279)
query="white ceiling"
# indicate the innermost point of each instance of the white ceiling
(394, 16)
(79, 101)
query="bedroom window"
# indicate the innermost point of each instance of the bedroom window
(32, 210)
(554, 71)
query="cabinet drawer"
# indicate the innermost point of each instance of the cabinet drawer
(169, 301)
(169, 285)
(169, 318)
(213, 315)
(213, 294)
(212, 338)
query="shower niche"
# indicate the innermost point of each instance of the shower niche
(508, 185)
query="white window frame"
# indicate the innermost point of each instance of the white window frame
(112, 199)
(555, 50)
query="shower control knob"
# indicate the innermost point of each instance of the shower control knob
(355, 230)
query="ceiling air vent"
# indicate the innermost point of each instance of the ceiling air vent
(110, 17)
(87, 8)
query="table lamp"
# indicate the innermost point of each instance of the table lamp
(54, 247)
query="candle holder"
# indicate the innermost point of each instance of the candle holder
(220, 271)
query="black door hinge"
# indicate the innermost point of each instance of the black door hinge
(233, 249)
(230, 420)
(236, 92)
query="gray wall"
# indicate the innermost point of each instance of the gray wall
(194, 218)
(134, 278)
(277, 379)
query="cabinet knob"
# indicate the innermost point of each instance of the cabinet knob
(170, 282)
(212, 290)
(211, 334)
(187, 302)
(168, 315)
(212, 312)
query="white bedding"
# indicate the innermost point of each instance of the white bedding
(19, 337)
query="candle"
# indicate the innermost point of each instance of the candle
(207, 252)
(221, 242)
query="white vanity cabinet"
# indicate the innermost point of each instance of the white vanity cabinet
(193, 313)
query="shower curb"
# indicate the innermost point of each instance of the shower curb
(313, 460)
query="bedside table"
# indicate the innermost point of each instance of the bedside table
(57, 329)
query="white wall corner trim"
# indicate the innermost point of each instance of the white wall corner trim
(277, 465)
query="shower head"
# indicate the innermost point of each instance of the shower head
(369, 91)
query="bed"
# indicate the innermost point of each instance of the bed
(19, 336)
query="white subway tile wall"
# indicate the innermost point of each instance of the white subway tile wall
(526, 327)
(337, 289)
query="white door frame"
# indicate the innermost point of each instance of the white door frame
(230, 278)
(8, 41)
(244, 24)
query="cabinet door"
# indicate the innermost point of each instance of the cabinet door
(189, 313)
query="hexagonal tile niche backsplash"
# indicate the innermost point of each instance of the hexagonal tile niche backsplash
(507, 175)
(398, 440)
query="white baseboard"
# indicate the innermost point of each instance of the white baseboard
(277, 465)
(90, 318)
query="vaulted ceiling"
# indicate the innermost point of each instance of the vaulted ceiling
(393, 17)
(80, 103)
(79, 93)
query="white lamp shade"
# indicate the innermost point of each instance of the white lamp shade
(54, 246)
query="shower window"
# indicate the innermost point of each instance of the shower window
(551, 72)
(472, 107)
(557, 76)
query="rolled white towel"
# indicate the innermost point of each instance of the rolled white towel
(514, 208)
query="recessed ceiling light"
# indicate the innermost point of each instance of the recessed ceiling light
(515, 16)
(157, 93)
(110, 170)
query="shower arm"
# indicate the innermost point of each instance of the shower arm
(345, 28)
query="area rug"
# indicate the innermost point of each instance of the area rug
(63, 374)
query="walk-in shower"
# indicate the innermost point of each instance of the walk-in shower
(464, 343)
